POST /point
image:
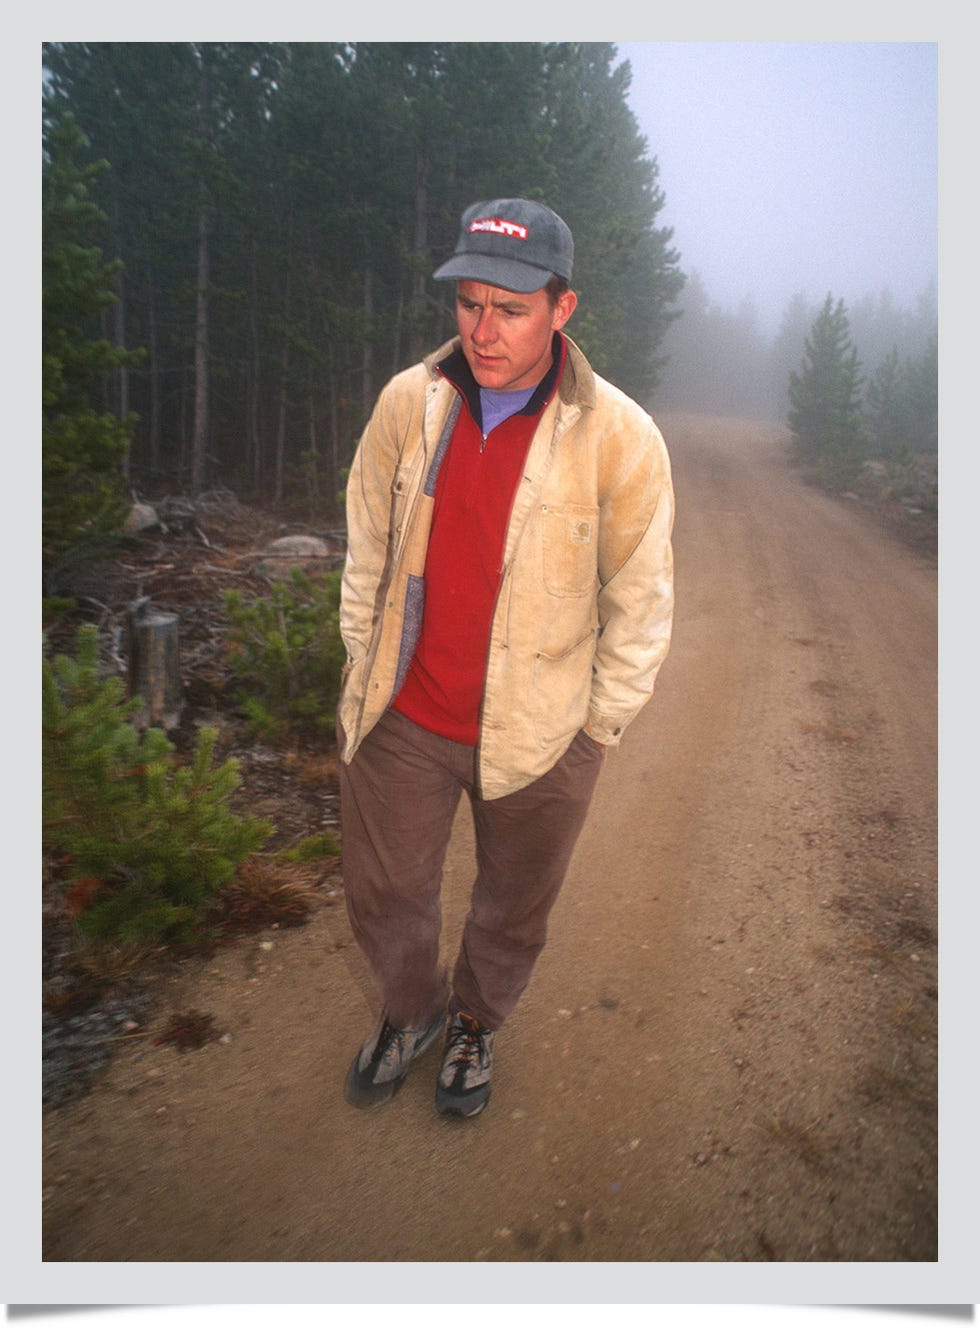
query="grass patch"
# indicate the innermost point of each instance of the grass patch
(801, 1139)
(888, 1085)
(871, 949)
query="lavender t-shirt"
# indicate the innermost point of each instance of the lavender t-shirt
(497, 406)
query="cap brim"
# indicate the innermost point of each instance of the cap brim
(505, 273)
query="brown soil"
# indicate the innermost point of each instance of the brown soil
(728, 1052)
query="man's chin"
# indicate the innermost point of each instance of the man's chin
(489, 374)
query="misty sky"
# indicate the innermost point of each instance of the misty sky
(794, 166)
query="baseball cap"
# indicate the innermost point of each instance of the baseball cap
(513, 243)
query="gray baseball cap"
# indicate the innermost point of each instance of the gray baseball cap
(513, 243)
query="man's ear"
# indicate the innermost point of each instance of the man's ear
(564, 309)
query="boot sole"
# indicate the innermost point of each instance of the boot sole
(451, 1106)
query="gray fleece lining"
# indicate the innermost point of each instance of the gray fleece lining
(415, 588)
(441, 446)
(411, 627)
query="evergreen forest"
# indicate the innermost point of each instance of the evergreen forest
(238, 241)
(267, 217)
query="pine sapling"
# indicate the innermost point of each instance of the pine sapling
(152, 840)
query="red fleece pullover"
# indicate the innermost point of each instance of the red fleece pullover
(443, 690)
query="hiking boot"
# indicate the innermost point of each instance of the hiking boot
(463, 1087)
(384, 1061)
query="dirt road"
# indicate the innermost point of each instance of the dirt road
(728, 1052)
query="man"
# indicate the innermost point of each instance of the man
(506, 606)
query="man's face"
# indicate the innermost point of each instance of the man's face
(506, 335)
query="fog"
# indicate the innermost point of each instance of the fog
(795, 167)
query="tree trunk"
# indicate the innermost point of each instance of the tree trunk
(314, 469)
(420, 249)
(119, 330)
(199, 446)
(281, 427)
(185, 393)
(283, 384)
(367, 345)
(334, 452)
(396, 339)
(254, 436)
(154, 358)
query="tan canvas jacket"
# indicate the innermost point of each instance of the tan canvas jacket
(583, 617)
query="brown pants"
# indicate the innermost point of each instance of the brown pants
(399, 797)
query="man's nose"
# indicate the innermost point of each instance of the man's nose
(484, 332)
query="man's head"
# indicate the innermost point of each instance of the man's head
(512, 265)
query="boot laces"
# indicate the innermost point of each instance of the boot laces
(466, 1040)
(389, 1041)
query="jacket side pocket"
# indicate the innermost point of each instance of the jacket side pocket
(562, 687)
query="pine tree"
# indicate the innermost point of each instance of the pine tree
(825, 414)
(83, 445)
(888, 409)
(146, 842)
(286, 654)
(607, 188)
(922, 379)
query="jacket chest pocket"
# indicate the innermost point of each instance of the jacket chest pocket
(569, 535)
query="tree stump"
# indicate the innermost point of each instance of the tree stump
(154, 665)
